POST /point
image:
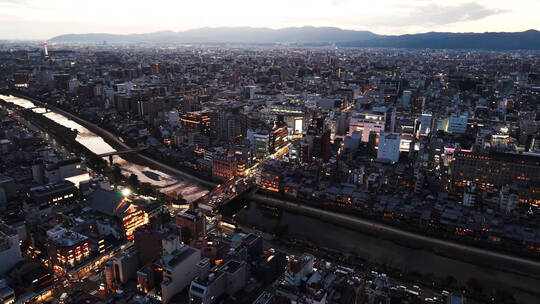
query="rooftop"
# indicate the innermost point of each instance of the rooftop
(231, 266)
(179, 255)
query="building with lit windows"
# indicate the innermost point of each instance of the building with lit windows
(367, 122)
(457, 123)
(278, 136)
(270, 180)
(127, 213)
(224, 165)
(495, 169)
(425, 124)
(211, 284)
(53, 194)
(198, 121)
(260, 141)
(66, 248)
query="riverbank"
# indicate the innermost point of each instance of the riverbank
(61, 136)
(115, 142)
(404, 249)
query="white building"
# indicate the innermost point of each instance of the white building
(367, 122)
(173, 118)
(389, 144)
(457, 124)
(425, 124)
(210, 285)
(406, 98)
(179, 264)
(508, 200)
(298, 269)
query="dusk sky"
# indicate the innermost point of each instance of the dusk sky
(43, 19)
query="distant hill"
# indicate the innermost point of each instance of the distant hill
(307, 34)
(529, 40)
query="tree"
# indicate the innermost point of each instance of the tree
(116, 174)
(133, 181)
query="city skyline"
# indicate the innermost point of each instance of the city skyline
(41, 20)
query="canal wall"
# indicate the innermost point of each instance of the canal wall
(472, 255)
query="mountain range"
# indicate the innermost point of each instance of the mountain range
(308, 35)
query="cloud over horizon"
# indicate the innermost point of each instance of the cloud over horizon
(42, 19)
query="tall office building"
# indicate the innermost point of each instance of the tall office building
(224, 165)
(260, 141)
(389, 144)
(120, 269)
(179, 265)
(406, 98)
(425, 124)
(495, 168)
(192, 225)
(278, 136)
(457, 123)
(198, 121)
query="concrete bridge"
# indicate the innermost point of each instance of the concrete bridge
(111, 154)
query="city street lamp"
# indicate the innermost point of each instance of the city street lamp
(126, 192)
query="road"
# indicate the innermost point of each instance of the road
(482, 255)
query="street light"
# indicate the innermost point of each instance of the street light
(126, 192)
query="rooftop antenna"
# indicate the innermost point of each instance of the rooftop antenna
(45, 51)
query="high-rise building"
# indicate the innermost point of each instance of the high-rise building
(389, 144)
(192, 225)
(120, 269)
(278, 136)
(495, 168)
(457, 123)
(148, 244)
(260, 141)
(425, 124)
(45, 49)
(224, 165)
(198, 121)
(179, 269)
(406, 98)
(209, 285)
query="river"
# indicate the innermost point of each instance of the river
(190, 190)
(377, 250)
